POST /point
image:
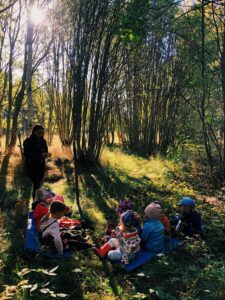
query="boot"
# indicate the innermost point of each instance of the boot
(102, 251)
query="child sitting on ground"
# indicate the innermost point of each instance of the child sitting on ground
(152, 235)
(50, 235)
(126, 242)
(189, 222)
(49, 228)
(122, 207)
(164, 219)
(40, 207)
(41, 195)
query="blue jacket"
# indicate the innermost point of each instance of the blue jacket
(152, 236)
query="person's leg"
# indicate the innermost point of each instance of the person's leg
(70, 236)
(36, 175)
(33, 175)
(73, 244)
(41, 174)
(102, 251)
(115, 255)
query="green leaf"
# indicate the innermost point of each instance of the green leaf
(131, 37)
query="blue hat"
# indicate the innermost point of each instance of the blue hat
(187, 201)
(128, 218)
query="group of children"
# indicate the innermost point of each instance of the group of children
(122, 241)
(129, 235)
(56, 230)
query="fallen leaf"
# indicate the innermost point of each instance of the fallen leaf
(77, 270)
(141, 274)
(61, 295)
(34, 287)
(54, 269)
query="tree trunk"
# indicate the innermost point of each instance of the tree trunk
(30, 33)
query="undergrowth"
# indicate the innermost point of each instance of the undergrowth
(195, 271)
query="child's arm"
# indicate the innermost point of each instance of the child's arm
(144, 234)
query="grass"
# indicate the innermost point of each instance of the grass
(194, 272)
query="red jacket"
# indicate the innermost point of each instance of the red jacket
(39, 212)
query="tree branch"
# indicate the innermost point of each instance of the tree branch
(6, 8)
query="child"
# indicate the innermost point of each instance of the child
(152, 235)
(50, 235)
(190, 220)
(40, 196)
(49, 227)
(40, 207)
(122, 207)
(126, 244)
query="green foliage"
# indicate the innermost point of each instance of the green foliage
(133, 21)
(175, 155)
(195, 271)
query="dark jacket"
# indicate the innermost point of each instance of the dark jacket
(191, 223)
(33, 148)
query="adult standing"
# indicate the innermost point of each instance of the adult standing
(35, 152)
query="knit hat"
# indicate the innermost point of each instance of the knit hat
(128, 218)
(187, 201)
(123, 206)
(157, 202)
(153, 211)
(55, 198)
(47, 194)
(59, 198)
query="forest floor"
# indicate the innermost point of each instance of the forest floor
(194, 271)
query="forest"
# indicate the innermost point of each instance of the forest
(131, 94)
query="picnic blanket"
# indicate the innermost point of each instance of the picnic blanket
(143, 256)
(32, 241)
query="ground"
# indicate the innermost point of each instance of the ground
(194, 271)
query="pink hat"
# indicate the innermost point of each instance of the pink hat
(59, 198)
(153, 211)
